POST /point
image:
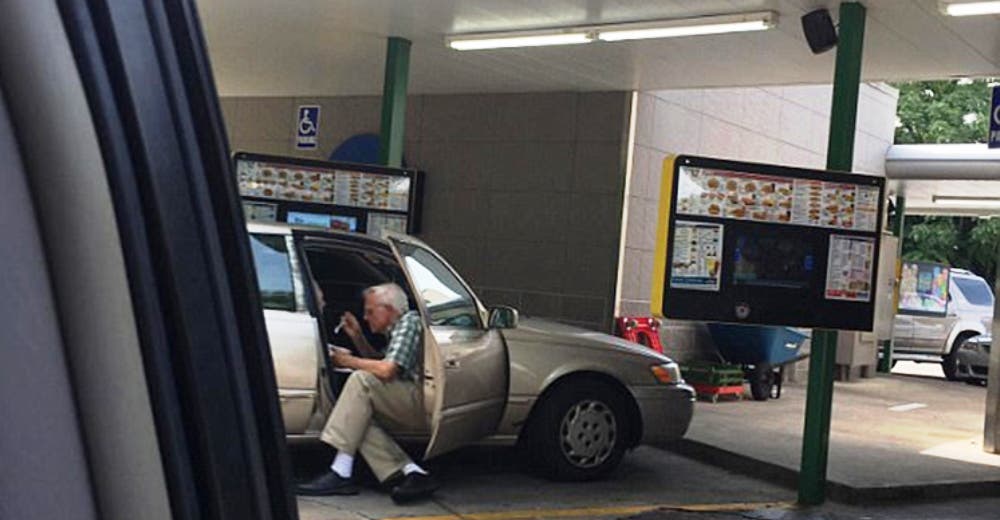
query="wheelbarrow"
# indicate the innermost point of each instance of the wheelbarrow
(763, 352)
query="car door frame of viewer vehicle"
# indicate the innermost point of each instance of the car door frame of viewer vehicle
(162, 401)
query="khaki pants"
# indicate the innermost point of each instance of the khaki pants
(364, 407)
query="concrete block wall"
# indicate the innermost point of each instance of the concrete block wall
(523, 191)
(784, 125)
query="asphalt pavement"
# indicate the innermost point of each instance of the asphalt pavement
(910, 432)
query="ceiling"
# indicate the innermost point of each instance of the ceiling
(337, 47)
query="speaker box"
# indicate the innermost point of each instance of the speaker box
(819, 30)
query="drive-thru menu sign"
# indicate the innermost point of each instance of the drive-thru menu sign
(766, 244)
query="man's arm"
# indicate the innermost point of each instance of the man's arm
(353, 330)
(384, 370)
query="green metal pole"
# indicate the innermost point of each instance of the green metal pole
(885, 364)
(840, 156)
(397, 75)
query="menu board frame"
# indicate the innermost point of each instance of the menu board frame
(806, 212)
(340, 190)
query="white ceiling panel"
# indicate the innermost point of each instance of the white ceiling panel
(337, 47)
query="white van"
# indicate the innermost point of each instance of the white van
(925, 338)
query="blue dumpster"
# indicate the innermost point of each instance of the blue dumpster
(760, 350)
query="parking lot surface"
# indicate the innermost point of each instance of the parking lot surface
(913, 432)
(494, 482)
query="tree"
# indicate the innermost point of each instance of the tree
(931, 239)
(967, 243)
(954, 111)
(951, 111)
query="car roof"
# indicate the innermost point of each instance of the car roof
(273, 228)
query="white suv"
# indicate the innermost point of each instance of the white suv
(923, 338)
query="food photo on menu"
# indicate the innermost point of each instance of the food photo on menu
(763, 198)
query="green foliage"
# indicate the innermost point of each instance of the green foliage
(931, 239)
(982, 247)
(953, 111)
(950, 111)
(967, 243)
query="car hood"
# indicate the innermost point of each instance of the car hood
(536, 330)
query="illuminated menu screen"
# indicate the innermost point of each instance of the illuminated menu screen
(760, 198)
(331, 186)
(923, 288)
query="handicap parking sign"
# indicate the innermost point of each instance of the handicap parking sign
(994, 141)
(307, 127)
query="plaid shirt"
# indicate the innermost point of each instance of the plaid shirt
(404, 344)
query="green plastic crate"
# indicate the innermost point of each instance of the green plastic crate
(713, 374)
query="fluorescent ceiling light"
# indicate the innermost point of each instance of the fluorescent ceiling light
(757, 21)
(688, 27)
(970, 8)
(471, 42)
(966, 201)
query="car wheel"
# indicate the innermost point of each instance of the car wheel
(950, 362)
(580, 430)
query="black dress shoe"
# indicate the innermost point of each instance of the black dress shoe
(415, 486)
(392, 480)
(328, 483)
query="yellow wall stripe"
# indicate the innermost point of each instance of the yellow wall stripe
(660, 260)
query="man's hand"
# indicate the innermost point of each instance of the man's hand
(351, 325)
(384, 370)
(341, 357)
(353, 330)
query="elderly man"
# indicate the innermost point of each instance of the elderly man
(380, 393)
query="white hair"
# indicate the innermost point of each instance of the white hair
(389, 294)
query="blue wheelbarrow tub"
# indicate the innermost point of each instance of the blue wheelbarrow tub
(755, 344)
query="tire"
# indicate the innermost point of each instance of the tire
(761, 381)
(949, 364)
(579, 431)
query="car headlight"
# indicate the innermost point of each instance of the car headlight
(667, 373)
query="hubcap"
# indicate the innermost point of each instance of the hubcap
(588, 433)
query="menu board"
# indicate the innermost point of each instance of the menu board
(736, 195)
(260, 211)
(310, 184)
(697, 259)
(849, 268)
(379, 222)
(923, 288)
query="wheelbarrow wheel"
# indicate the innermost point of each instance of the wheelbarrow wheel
(761, 381)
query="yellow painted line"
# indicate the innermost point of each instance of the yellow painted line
(529, 514)
(736, 506)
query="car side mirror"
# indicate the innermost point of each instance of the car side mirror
(503, 317)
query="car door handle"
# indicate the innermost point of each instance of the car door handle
(451, 363)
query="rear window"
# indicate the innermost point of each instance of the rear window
(976, 291)
(274, 271)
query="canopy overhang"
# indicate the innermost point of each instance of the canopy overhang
(946, 179)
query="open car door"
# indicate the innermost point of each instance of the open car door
(465, 363)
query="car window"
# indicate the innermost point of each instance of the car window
(976, 291)
(448, 301)
(274, 271)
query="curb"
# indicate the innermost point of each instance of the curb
(836, 491)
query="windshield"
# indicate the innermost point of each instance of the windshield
(974, 290)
